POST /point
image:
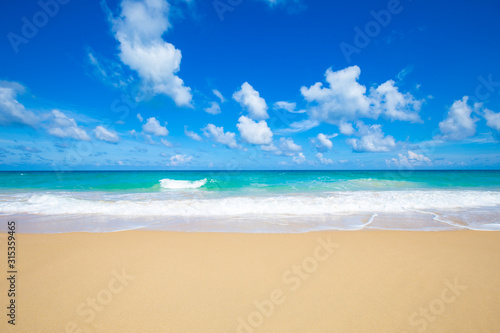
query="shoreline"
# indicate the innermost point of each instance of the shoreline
(321, 281)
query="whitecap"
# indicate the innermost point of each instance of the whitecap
(181, 184)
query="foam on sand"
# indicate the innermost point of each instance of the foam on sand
(334, 210)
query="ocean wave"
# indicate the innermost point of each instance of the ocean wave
(181, 184)
(370, 184)
(349, 202)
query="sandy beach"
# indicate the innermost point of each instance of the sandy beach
(359, 281)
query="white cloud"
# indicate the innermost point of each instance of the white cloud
(417, 157)
(213, 109)
(285, 146)
(166, 143)
(299, 126)
(371, 139)
(292, 6)
(152, 126)
(492, 119)
(63, 126)
(346, 128)
(93, 60)
(192, 135)
(11, 111)
(250, 99)
(148, 139)
(404, 72)
(139, 29)
(219, 95)
(410, 160)
(345, 99)
(140, 117)
(299, 159)
(290, 107)
(180, 159)
(322, 159)
(104, 134)
(257, 133)
(324, 142)
(109, 71)
(218, 135)
(458, 124)
(394, 105)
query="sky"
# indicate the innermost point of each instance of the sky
(249, 84)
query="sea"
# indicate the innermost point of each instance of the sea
(249, 201)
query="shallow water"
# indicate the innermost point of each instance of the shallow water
(251, 201)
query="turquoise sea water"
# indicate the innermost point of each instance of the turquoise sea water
(251, 201)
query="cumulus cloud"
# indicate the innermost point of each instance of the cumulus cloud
(106, 135)
(290, 107)
(213, 109)
(180, 159)
(324, 142)
(345, 99)
(139, 29)
(411, 159)
(140, 117)
(256, 133)
(250, 100)
(192, 135)
(11, 111)
(152, 126)
(299, 159)
(63, 126)
(285, 146)
(371, 139)
(395, 105)
(346, 128)
(322, 159)
(458, 123)
(218, 135)
(492, 119)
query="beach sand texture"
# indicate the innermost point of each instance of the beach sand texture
(154, 281)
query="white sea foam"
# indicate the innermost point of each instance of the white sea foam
(351, 202)
(181, 184)
(211, 211)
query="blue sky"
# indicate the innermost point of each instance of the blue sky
(249, 84)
